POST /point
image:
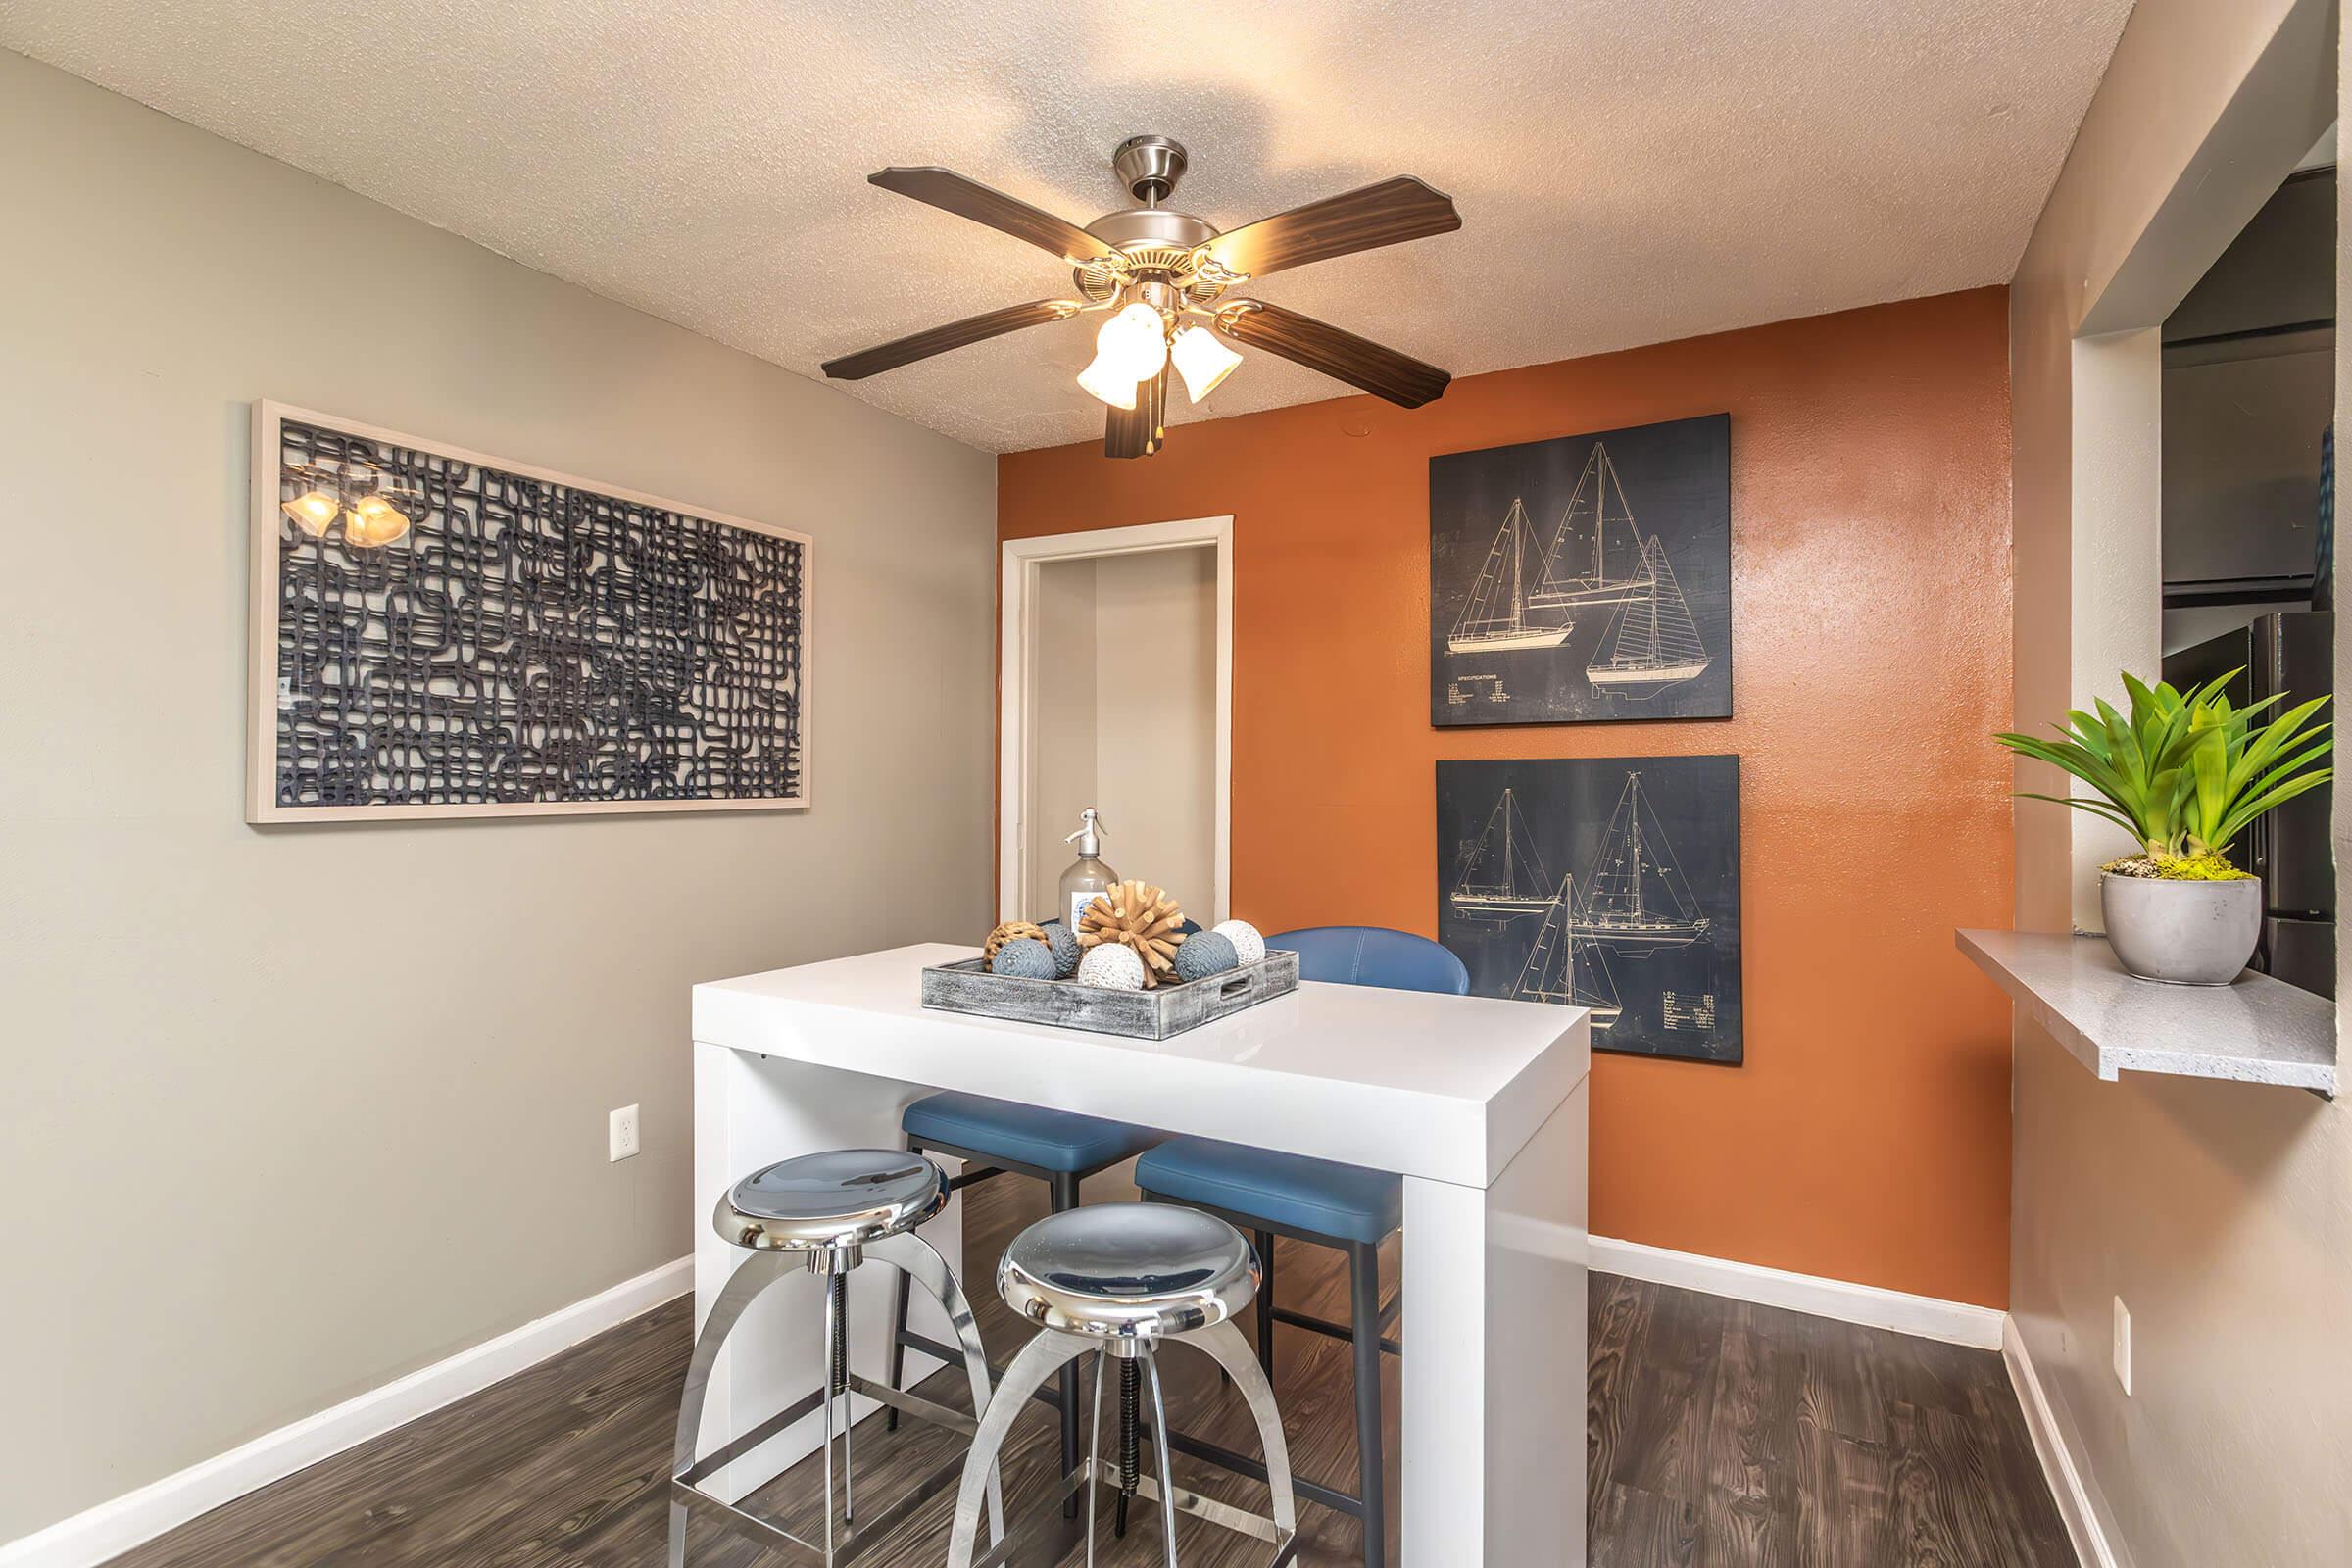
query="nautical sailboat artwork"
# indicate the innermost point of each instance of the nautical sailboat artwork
(1638, 900)
(1495, 620)
(1588, 514)
(1578, 606)
(1642, 926)
(1560, 968)
(1503, 874)
(1652, 644)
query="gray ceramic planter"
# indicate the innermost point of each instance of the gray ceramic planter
(2183, 933)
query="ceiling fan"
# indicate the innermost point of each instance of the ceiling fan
(1161, 274)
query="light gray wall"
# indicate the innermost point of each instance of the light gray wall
(1060, 726)
(2221, 1213)
(1156, 737)
(1141, 751)
(286, 1114)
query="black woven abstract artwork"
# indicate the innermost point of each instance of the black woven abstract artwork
(530, 643)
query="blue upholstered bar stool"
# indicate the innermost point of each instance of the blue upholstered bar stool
(996, 1138)
(1344, 1207)
(826, 1214)
(1117, 1282)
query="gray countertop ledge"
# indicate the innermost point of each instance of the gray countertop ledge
(2256, 1031)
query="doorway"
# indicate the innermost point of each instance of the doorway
(1117, 692)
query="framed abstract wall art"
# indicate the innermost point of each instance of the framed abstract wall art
(1607, 883)
(1581, 579)
(440, 633)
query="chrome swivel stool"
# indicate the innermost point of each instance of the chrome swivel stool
(826, 1214)
(1117, 1281)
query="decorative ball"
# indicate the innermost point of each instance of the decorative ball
(1190, 925)
(1248, 945)
(1065, 949)
(1009, 931)
(1205, 954)
(1139, 917)
(1112, 967)
(1026, 958)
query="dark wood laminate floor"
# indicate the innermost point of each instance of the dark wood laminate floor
(1722, 1435)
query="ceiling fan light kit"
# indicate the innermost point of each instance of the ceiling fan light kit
(1202, 360)
(1161, 277)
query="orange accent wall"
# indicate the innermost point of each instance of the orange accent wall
(1867, 1136)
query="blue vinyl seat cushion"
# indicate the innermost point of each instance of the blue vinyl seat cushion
(1372, 955)
(1284, 1190)
(1030, 1135)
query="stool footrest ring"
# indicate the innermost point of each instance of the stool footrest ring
(921, 1264)
(870, 1530)
(1046, 1522)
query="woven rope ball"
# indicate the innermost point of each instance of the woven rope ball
(1204, 953)
(1066, 950)
(1025, 957)
(1009, 931)
(1248, 945)
(1112, 967)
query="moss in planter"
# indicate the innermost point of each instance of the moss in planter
(2206, 867)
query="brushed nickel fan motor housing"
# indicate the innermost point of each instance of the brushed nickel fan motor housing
(1149, 166)
(1152, 227)
(1153, 241)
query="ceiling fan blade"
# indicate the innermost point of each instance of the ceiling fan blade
(1386, 213)
(1319, 346)
(955, 335)
(967, 198)
(1138, 432)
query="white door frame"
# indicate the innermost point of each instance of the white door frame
(1023, 558)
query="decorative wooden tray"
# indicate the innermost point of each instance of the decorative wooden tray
(1170, 1010)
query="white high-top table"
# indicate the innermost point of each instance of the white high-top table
(1478, 1103)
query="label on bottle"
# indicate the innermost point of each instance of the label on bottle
(1078, 903)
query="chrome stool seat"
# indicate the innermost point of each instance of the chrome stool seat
(1116, 1281)
(826, 1214)
(842, 1199)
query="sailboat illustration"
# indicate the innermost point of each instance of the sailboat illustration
(1496, 618)
(1504, 877)
(1653, 643)
(1637, 900)
(1562, 969)
(1590, 507)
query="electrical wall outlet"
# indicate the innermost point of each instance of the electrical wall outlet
(620, 1133)
(2123, 1345)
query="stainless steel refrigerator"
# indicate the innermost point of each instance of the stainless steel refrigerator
(2291, 651)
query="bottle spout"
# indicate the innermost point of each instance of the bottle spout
(1089, 836)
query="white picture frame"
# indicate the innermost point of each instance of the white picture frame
(269, 525)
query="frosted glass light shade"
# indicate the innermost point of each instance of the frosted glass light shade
(313, 512)
(1139, 337)
(1202, 360)
(1103, 380)
(1131, 347)
(374, 521)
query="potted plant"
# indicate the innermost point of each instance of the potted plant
(2184, 776)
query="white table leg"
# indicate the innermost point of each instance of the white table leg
(1493, 1464)
(749, 1111)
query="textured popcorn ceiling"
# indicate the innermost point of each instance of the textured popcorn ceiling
(1628, 171)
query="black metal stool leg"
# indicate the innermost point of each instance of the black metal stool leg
(1130, 1386)
(1363, 1279)
(837, 1381)
(1265, 1301)
(1064, 1191)
(895, 1374)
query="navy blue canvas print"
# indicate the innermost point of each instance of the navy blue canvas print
(1605, 883)
(1583, 578)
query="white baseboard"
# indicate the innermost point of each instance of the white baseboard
(1928, 1316)
(2067, 1482)
(112, 1528)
